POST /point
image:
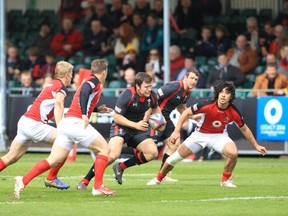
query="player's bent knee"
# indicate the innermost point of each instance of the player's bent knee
(174, 159)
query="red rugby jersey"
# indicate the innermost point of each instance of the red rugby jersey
(42, 108)
(215, 120)
(75, 108)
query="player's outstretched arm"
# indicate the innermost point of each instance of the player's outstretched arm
(250, 137)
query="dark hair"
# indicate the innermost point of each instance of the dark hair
(190, 55)
(193, 70)
(220, 53)
(142, 77)
(220, 85)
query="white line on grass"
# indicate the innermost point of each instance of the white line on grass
(223, 199)
(14, 203)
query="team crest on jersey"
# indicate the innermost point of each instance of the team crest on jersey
(216, 124)
(160, 92)
(149, 102)
(117, 109)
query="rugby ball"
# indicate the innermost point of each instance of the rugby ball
(157, 121)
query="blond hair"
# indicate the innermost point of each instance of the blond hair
(98, 66)
(63, 68)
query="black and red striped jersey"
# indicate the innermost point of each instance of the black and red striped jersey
(42, 108)
(132, 106)
(171, 95)
(90, 102)
(214, 119)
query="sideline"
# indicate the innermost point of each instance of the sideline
(222, 199)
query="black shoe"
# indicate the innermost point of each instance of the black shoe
(118, 172)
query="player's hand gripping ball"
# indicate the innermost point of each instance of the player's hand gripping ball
(157, 122)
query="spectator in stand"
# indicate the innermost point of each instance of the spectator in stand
(242, 56)
(266, 38)
(126, 37)
(221, 41)
(283, 65)
(75, 82)
(127, 11)
(211, 8)
(115, 12)
(138, 25)
(252, 33)
(130, 58)
(188, 15)
(48, 69)
(94, 40)
(43, 38)
(100, 13)
(67, 41)
(176, 60)
(129, 77)
(225, 71)
(88, 9)
(205, 46)
(46, 81)
(70, 8)
(13, 64)
(189, 65)
(34, 63)
(152, 38)
(156, 63)
(27, 85)
(271, 80)
(158, 10)
(282, 17)
(142, 7)
(276, 43)
(271, 60)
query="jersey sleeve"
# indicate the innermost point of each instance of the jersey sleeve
(154, 99)
(63, 90)
(200, 107)
(123, 102)
(168, 89)
(85, 92)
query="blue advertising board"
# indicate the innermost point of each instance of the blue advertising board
(272, 118)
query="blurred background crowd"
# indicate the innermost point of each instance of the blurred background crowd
(247, 46)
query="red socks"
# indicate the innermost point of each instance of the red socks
(99, 167)
(226, 176)
(160, 176)
(37, 170)
(2, 165)
(54, 171)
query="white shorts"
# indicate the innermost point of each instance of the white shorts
(71, 130)
(30, 130)
(197, 141)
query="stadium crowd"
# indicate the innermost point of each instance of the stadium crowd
(130, 36)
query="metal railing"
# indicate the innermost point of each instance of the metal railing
(198, 93)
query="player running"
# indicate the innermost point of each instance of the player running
(211, 131)
(75, 128)
(130, 126)
(32, 126)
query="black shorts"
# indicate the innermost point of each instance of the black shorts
(161, 136)
(131, 136)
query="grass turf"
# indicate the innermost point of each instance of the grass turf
(262, 190)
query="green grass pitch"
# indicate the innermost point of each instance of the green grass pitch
(262, 190)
